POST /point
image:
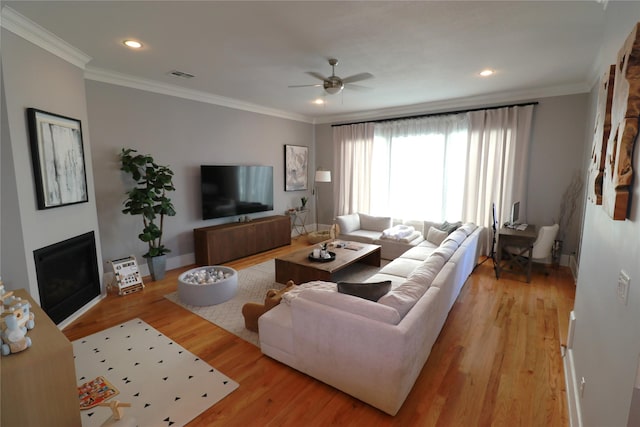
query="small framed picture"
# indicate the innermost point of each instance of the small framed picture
(296, 164)
(57, 154)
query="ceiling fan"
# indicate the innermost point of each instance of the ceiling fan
(334, 84)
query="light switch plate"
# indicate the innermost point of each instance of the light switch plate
(623, 286)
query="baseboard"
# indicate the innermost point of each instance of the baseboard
(172, 263)
(573, 395)
(66, 322)
(573, 265)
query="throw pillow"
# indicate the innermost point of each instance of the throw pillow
(436, 236)
(450, 228)
(371, 291)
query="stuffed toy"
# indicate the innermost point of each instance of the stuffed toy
(252, 311)
(14, 336)
(21, 308)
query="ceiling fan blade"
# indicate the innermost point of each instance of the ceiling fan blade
(316, 85)
(357, 77)
(317, 75)
(357, 87)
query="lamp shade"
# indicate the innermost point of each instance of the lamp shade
(323, 176)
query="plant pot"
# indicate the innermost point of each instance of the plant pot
(157, 267)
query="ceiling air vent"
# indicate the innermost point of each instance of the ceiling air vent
(181, 74)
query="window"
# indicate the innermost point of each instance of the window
(418, 169)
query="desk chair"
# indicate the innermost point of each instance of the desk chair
(541, 247)
(543, 244)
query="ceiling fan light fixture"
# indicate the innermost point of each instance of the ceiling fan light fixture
(333, 85)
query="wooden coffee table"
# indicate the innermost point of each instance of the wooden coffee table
(298, 267)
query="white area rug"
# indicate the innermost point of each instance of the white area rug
(165, 384)
(253, 284)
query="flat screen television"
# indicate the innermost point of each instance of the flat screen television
(229, 190)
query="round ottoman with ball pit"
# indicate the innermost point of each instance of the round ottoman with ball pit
(207, 285)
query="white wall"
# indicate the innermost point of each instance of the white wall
(35, 78)
(606, 342)
(183, 134)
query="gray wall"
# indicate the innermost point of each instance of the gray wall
(557, 142)
(32, 77)
(183, 134)
(606, 344)
(555, 154)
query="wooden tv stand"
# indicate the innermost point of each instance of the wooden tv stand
(218, 244)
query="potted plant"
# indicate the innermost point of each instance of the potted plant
(148, 198)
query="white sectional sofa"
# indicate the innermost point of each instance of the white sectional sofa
(373, 350)
(359, 227)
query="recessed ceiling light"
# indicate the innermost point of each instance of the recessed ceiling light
(133, 44)
(319, 101)
(487, 73)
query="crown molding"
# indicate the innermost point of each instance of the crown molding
(120, 79)
(457, 104)
(32, 32)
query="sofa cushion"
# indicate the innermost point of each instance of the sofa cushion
(348, 223)
(381, 277)
(420, 252)
(427, 271)
(457, 236)
(400, 267)
(404, 297)
(362, 236)
(445, 250)
(374, 223)
(436, 236)
(371, 291)
(468, 228)
(354, 305)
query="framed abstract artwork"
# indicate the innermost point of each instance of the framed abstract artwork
(296, 164)
(57, 154)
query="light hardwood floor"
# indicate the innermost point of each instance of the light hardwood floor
(496, 362)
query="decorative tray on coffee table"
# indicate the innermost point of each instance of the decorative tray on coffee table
(332, 256)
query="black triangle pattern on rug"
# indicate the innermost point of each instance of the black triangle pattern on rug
(150, 371)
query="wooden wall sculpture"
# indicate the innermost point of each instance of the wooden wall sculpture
(601, 136)
(625, 114)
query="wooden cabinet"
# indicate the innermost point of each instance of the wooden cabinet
(39, 383)
(221, 243)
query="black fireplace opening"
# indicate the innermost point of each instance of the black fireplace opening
(67, 275)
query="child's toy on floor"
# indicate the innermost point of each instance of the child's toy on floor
(117, 418)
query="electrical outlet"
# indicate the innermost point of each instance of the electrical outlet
(623, 286)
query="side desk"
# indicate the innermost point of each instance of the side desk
(521, 239)
(299, 221)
